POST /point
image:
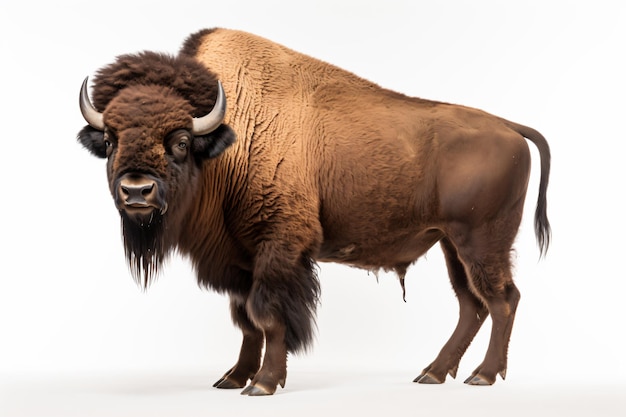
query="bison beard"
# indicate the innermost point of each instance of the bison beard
(143, 245)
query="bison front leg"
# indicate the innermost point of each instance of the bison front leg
(274, 369)
(250, 353)
(282, 304)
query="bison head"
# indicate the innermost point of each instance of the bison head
(155, 145)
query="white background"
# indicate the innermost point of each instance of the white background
(78, 337)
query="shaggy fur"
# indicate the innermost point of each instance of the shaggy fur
(186, 76)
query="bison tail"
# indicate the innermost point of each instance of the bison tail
(543, 231)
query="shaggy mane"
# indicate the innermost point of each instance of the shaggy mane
(183, 74)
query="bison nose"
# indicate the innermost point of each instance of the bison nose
(137, 191)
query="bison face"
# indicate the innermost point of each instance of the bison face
(155, 150)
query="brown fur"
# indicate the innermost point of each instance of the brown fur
(327, 166)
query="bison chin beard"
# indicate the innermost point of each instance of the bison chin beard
(144, 246)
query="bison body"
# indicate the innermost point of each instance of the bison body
(309, 163)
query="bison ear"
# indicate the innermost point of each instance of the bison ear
(213, 144)
(93, 140)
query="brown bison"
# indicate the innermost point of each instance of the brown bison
(308, 163)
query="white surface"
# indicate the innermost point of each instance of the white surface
(307, 394)
(69, 310)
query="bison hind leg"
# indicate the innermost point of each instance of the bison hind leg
(472, 314)
(484, 253)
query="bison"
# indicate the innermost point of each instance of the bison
(308, 163)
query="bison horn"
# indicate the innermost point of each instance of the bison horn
(210, 122)
(91, 115)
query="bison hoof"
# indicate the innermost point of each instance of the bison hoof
(427, 379)
(478, 380)
(256, 391)
(226, 383)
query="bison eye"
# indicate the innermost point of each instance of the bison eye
(178, 144)
(108, 145)
(108, 148)
(180, 147)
